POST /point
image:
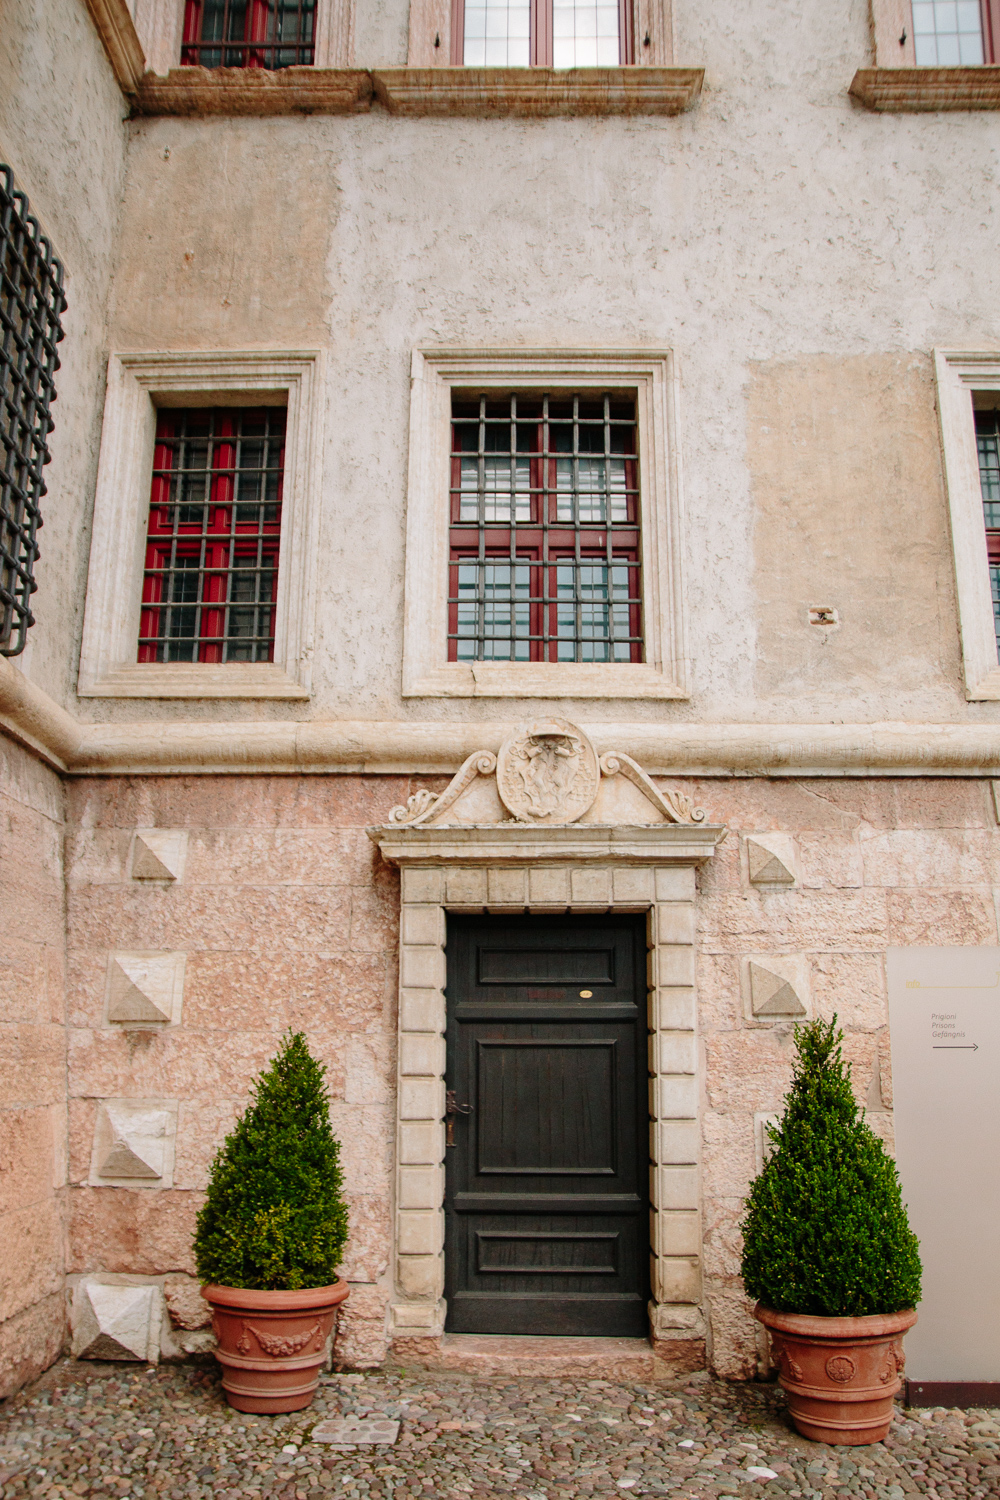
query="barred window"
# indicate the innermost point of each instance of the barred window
(212, 547)
(31, 304)
(545, 541)
(988, 443)
(249, 33)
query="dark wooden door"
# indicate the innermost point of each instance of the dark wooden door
(547, 1180)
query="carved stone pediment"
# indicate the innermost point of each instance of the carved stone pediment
(547, 774)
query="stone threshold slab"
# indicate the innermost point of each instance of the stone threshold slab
(493, 1355)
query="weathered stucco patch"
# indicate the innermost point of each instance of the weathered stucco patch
(850, 515)
(187, 281)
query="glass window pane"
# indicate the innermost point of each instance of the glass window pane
(947, 33)
(505, 26)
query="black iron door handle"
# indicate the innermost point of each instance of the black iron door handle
(451, 1109)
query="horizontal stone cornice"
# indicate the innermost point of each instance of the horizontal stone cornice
(526, 93)
(572, 843)
(412, 747)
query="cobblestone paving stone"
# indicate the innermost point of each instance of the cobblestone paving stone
(167, 1434)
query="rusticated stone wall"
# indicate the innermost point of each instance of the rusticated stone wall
(286, 918)
(32, 1067)
(880, 864)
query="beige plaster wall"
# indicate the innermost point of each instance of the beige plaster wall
(32, 1067)
(880, 864)
(62, 132)
(287, 918)
(801, 255)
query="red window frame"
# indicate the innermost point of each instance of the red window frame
(211, 551)
(545, 543)
(990, 12)
(256, 48)
(541, 33)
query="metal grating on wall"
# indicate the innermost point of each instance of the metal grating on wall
(211, 578)
(31, 305)
(545, 538)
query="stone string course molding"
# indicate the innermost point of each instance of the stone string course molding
(420, 747)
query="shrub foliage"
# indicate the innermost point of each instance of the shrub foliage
(275, 1217)
(826, 1231)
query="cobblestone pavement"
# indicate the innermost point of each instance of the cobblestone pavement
(117, 1430)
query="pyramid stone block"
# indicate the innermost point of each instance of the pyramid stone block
(159, 854)
(772, 994)
(770, 862)
(145, 987)
(134, 1143)
(116, 1322)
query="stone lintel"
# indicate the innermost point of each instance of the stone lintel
(522, 843)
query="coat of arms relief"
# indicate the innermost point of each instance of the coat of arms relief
(547, 773)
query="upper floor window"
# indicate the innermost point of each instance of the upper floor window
(211, 576)
(542, 33)
(31, 303)
(955, 33)
(988, 445)
(249, 33)
(545, 540)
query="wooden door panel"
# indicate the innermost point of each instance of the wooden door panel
(546, 1198)
(546, 1106)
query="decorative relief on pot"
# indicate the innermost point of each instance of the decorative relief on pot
(547, 772)
(840, 1368)
(895, 1361)
(278, 1346)
(786, 1364)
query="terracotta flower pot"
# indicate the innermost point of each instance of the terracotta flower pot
(840, 1374)
(271, 1344)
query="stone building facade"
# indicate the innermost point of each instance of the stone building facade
(771, 234)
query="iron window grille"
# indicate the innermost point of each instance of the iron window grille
(544, 532)
(988, 443)
(31, 305)
(210, 586)
(249, 33)
(542, 33)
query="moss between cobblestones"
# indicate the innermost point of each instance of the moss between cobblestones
(167, 1434)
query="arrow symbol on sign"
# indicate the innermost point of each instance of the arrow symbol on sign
(962, 1047)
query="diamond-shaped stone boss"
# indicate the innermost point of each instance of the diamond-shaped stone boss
(116, 1322)
(158, 854)
(134, 1143)
(145, 987)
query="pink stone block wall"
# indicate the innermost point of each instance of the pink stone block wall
(32, 1067)
(288, 918)
(882, 864)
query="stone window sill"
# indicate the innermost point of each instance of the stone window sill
(533, 93)
(537, 93)
(255, 91)
(922, 90)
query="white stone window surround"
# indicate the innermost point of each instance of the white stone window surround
(137, 385)
(160, 27)
(652, 376)
(573, 868)
(961, 373)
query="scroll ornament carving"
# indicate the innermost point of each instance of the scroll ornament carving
(278, 1345)
(782, 1358)
(895, 1362)
(547, 773)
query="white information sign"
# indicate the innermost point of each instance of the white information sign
(944, 1020)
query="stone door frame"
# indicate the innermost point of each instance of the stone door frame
(508, 869)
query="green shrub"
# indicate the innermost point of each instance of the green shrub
(825, 1230)
(275, 1218)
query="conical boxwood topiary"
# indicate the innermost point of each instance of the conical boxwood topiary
(826, 1231)
(275, 1218)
